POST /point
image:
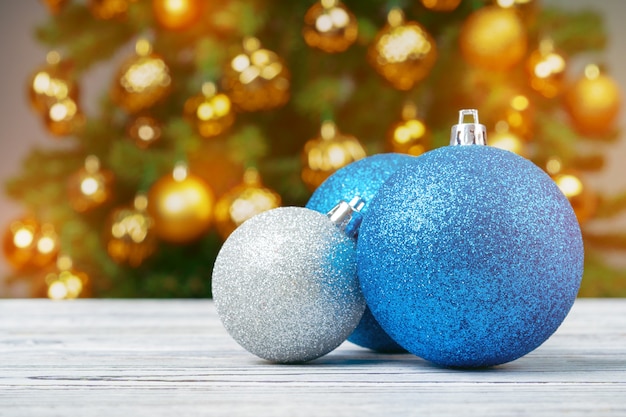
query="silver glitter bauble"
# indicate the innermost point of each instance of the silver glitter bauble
(285, 285)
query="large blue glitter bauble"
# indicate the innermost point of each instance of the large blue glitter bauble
(470, 256)
(361, 178)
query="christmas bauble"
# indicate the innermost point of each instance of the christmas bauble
(410, 135)
(546, 69)
(144, 131)
(52, 83)
(330, 26)
(470, 256)
(403, 53)
(369, 334)
(493, 38)
(64, 117)
(129, 234)
(181, 205)
(27, 244)
(257, 78)
(90, 187)
(593, 102)
(362, 178)
(243, 202)
(142, 80)
(210, 112)
(441, 5)
(66, 282)
(325, 154)
(285, 285)
(177, 14)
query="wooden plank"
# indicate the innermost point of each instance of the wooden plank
(157, 357)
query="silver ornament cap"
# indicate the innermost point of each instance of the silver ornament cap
(347, 216)
(468, 133)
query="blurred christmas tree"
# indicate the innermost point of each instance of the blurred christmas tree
(229, 108)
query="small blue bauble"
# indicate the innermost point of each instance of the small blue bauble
(470, 256)
(361, 178)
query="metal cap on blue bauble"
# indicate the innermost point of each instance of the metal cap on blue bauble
(468, 133)
(470, 256)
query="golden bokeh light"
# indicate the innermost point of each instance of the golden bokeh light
(329, 26)
(142, 80)
(493, 38)
(91, 186)
(177, 14)
(242, 202)
(257, 78)
(181, 205)
(410, 135)
(210, 112)
(593, 102)
(27, 244)
(325, 154)
(403, 53)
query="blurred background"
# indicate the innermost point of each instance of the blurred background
(249, 104)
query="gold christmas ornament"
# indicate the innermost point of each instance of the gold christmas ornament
(144, 131)
(66, 282)
(583, 200)
(593, 102)
(181, 205)
(330, 26)
(64, 117)
(502, 137)
(109, 9)
(177, 14)
(129, 233)
(441, 5)
(325, 154)
(257, 78)
(90, 187)
(142, 80)
(242, 202)
(410, 135)
(546, 69)
(403, 53)
(51, 83)
(493, 38)
(210, 112)
(27, 244)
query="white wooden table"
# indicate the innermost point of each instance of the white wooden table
(173, 358)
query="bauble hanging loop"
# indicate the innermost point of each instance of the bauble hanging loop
(468, 133)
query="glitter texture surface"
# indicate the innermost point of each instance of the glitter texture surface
(361, 178)
(285, 285)
(470, 256)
